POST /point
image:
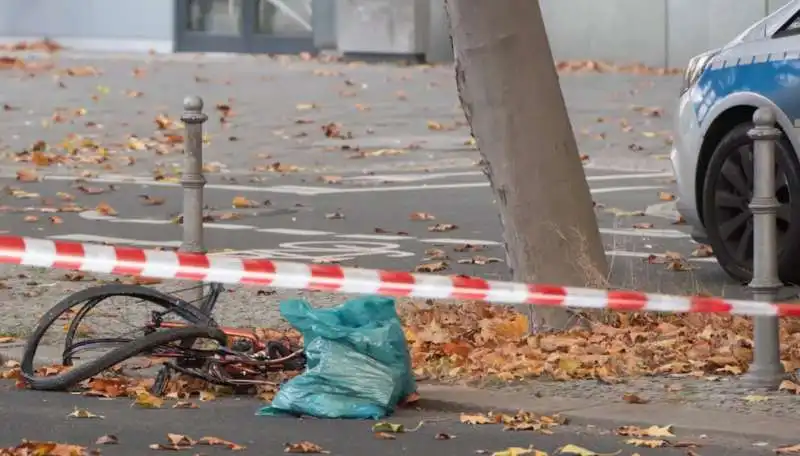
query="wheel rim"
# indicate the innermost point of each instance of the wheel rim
(733, 192)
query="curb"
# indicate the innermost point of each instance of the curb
(686, 422)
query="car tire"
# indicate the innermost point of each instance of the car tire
(717, 214)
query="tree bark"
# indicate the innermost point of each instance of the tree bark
(510, 93)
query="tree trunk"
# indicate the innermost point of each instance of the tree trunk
(510, 93)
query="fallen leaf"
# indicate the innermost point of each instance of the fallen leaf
(647, 443)
(91, 190)
(304, 447)
(633, 399)
(27, 175)
(107, 440)
(581, 451)
(788, 385)
(180, 440)
(480, 260)
(442, 227)
(335, 215)
(185, 405)
(146, 400)
(475, 419)
(703, 251)
(652, 431)
(666, 196)
(83, 413)
(105, 209)
(420, 216)
(207, 396)
(755, 398)
(30, 218)
(443, 436)
(788, 449)
(215, 441)
(306, 106)
(385, 436)
(240, 202)
(431, 267)
(384, 426)
(330, 179)
(519, 451)
(643, 226)
(148, 200)
(56, 220)
(34, 448)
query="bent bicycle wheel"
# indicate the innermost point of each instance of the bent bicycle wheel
(104, 317)
(170, 338)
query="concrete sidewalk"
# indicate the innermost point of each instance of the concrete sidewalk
(611, 415)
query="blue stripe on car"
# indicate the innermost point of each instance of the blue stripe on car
(777, 80)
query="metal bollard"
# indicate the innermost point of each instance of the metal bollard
(766, 371)
(192, 181)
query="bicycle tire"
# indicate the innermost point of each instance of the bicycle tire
(95, 295)
(94, 367)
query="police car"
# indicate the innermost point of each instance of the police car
(712, 154)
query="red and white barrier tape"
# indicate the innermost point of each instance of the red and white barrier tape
(161, 264)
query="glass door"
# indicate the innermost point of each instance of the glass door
(249, 26)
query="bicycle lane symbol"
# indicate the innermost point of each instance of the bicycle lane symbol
(322, 251)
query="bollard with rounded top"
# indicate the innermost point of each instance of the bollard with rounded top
(766, 370)
(192, 179)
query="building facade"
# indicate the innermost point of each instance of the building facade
(654, 32)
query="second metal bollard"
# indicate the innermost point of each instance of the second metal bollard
(766, 370)
(192, 181)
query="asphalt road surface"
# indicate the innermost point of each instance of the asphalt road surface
(363, 220)
(43, 416)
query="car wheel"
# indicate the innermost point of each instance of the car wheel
(728, 220)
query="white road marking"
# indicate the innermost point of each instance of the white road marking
(459, 241)
(295, 232)
(650, 233)
(645, 233)
(625, 253)
(78, 237)
(325, 250)
(316, 190)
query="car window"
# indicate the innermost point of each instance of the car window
(792, 27)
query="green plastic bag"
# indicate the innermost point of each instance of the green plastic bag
(358, 364)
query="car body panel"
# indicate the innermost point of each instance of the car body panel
(753, 70)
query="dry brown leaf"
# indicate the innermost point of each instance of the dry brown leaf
(647, 443)
(476, 418)
(480, 260)
(442, 227)
(55, 220)
(634, 399)
(27, 175)
(215, 441)
(703, 251)
(431, 267)
(105, 209)
(30, 218)
(385, 436)
(304, 447)
(330, 179)
(666, 196)
(148, 200)
(643, 226)
(788, 449)
(107, 440)
(788, 385)
(421, 216)
(444, 436)
(240, 202)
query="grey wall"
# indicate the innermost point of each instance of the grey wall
(92, 24)
(655, 32)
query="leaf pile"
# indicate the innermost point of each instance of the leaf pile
(478, 341)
